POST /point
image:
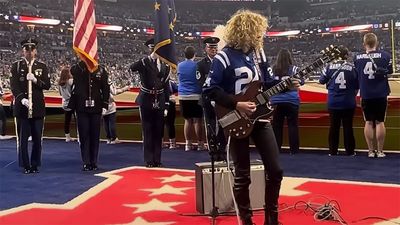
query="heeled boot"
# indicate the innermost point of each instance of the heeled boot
(271, 215)
(271, 201)
(247, 220)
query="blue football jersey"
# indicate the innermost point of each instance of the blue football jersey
(290, 96)
(232, 70)
(373, 84)
(342, 84)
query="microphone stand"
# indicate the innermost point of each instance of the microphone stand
(212, 144)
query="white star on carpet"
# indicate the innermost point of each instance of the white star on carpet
(167, 189)
(140, 221)
(154, 205)
(176, 177)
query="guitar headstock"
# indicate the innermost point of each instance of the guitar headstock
(331, 53)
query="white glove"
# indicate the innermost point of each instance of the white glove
(25, 102)
(31, 76)
(104, 111)
(165, 112)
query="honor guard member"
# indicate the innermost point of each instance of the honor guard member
(216, 139)
(152, 101)
(29, 105)
(90, 96)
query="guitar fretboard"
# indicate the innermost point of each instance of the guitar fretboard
(285, 84)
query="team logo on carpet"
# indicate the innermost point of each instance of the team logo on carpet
(141, 196)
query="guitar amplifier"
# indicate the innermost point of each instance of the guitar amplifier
(223, 187)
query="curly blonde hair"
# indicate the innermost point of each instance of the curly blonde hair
(245, 30)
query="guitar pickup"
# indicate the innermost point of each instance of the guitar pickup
(229, 118)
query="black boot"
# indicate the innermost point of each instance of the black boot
(271, 201)
(247, 220)
(271, 215)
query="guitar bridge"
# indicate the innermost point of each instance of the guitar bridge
(229, 118)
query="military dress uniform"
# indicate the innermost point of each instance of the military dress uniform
(216, 139)
(29, 126)
(152, 101)
(90, 96)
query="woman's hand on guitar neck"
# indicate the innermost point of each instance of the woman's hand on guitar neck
(246, 108)
(295, 84)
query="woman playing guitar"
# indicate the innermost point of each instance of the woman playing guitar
(232, 69)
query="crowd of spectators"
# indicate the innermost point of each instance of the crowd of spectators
(118, 49)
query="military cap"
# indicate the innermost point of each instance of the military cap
(211, 42)
(150, 43)
(29, 44)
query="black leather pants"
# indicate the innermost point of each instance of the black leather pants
(264, 139)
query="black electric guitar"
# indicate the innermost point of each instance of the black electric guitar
(240, 126)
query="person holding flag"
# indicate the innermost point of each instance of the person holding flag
(154, 73)
(90, 91)
(29, 69)
(153, 101)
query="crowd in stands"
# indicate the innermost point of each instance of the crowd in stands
(118, 49)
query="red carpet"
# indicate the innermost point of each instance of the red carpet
(139, 196)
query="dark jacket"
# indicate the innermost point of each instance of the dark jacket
(84, 82)
(152, 79)
(19, 87)
(203, 68)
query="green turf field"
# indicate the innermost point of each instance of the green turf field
(313, 122)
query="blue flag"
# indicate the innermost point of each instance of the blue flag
(164, 31)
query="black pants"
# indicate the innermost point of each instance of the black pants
(67, 120)
(170, 120)
(25, 128)
(152, 130)
(337, 117)
(89, 136)
(291, 112)
(110, 126)
(216, 138)
(264, 139)
(3, 120)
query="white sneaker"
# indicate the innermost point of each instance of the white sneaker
(30, 138)
(172, 146)
(380, 154)
(188, 147)
(201, 147)
(68, 138)
(371, 154)
(116, 141)
(108, 141)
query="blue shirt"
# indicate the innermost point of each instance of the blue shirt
(291, 96)
(342, 84)
(188, 85)
(372, 84)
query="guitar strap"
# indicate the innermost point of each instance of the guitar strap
(372, 60)
(258, 57)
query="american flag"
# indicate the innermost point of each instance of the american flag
(85, 36)
(164, 31)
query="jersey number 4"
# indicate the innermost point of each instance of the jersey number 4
(368, 70)
(340, 79)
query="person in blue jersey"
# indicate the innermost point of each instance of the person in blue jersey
(189, 93)
(342, 84)
(287, 103)
(232, 69)
(373, 68)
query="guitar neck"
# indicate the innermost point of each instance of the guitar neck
(285, 84)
